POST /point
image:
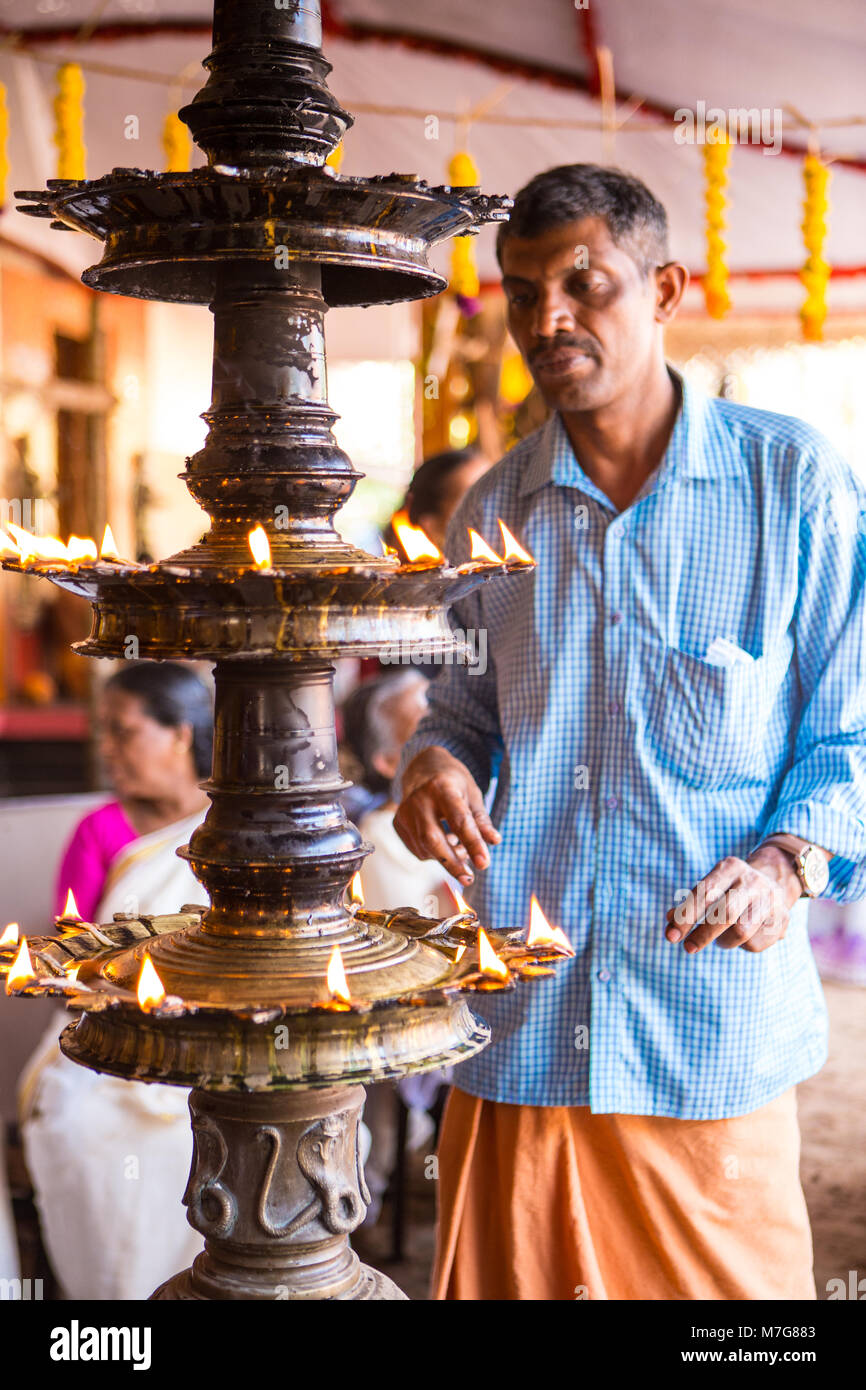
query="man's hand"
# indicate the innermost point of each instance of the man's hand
(739, 903)
(436, 788)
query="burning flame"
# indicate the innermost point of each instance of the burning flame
(513, 550)
(150, 989)
(10, 935)
(356, 892)
(488, 960)
(71, 908)
(481, 550)
(541, 933)
(416, 545)
(462, 904)
(21, 970)
(108, 549)
(36, 547)
(80, 548)
(72, 972)
(338, 985)
(8, 547)
(30, 547)
(459, 954)
(389, 552)
(260, 547)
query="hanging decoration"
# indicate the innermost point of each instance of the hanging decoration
(717, 158)
(816, 272)
(4, 146)
(177, 144)
(465, 284)
(515, 381)
(69, 122)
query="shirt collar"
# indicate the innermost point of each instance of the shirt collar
(696, 448)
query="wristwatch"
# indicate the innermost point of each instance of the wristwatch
(810, 864)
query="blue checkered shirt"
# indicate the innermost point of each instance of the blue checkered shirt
(670, 685)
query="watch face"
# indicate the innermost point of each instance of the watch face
(816, 872)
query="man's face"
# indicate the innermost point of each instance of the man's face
(581, 312)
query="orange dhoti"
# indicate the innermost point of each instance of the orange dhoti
(553, 1202)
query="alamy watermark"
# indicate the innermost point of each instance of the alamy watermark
(711, 125)
(77, 1343)
(408, 651)
(30, 513)
(21, 1290)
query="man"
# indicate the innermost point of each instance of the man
(677, 695)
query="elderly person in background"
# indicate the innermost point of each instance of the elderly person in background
(378, 719)
(108, 1157)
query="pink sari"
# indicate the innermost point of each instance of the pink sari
(95, 843)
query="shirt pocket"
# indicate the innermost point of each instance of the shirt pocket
(708, 723)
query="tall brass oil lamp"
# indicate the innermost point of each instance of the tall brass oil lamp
(279, 1000)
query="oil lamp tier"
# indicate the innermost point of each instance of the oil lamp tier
(270, 462)
(167, 235)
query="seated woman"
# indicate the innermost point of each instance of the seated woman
(109, 1158)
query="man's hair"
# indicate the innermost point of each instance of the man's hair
(426, 494)
(636, 220)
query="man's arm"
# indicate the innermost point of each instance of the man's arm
(437, 787)
(822, 800)
(742, 902)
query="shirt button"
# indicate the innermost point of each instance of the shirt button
(616, 618)
(612, 803)
(617, 530)
(604, 976)
(615, 706)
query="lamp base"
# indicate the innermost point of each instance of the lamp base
(276, 1187)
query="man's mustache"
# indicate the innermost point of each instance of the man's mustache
(546, 349)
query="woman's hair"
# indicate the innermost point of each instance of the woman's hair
(426, 493)
(172, 695)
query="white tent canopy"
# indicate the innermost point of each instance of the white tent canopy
(534, 63)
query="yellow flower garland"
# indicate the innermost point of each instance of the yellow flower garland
(716, 160)
(463, 173)
(69, 122)
(4, 145)
(177, 144)
(816, 272)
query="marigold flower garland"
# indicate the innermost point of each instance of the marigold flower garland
(177, 144)
(69, 122)
(463, 173)
(4, 145)
(716, 160)
(816, 272)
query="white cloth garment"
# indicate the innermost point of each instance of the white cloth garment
(109, 1159)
